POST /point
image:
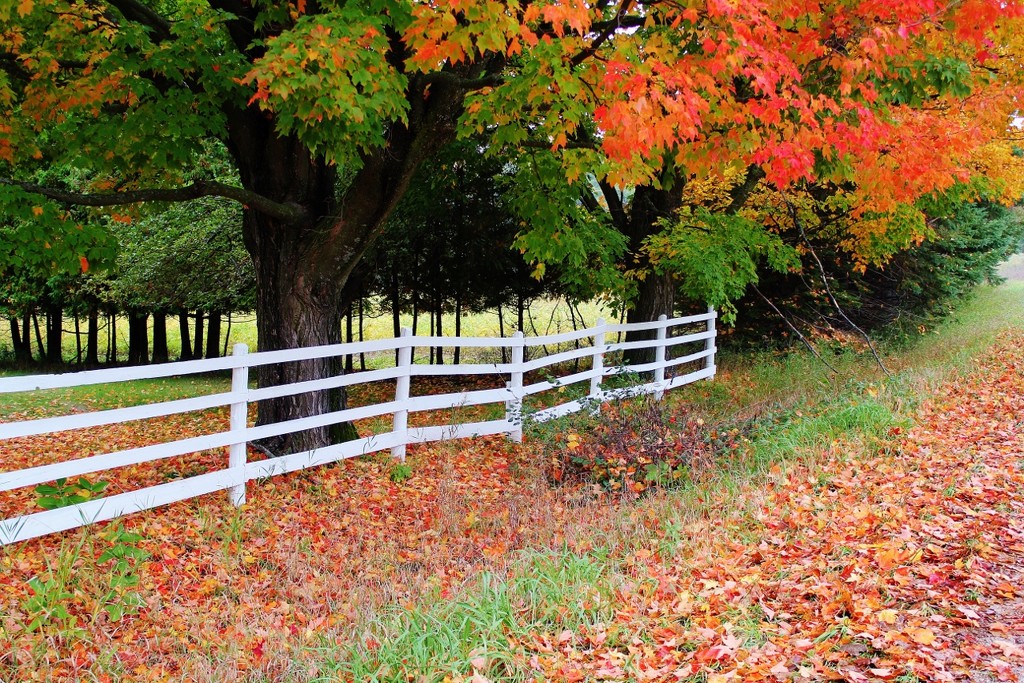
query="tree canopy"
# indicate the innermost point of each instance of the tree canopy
(327, 108)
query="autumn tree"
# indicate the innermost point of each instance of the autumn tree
(862, 98)
(327, 109)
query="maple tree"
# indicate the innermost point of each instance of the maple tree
(327, 109)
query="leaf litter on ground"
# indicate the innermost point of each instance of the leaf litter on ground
(899, 562)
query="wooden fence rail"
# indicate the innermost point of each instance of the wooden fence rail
(664, 371)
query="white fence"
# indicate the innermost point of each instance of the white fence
(664, 370)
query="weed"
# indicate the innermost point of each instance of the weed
(48, 604)
(125, 554)
(635, 447)
(63, 493)
(400, 472)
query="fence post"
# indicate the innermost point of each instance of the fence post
(401, 418)
(597, 366)
(239, 423)
(709, 343)
(659, 356)
(514, 406)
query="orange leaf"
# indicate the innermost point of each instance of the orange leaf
(922, 636)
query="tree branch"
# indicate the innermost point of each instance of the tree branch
(828, 289)
(241, 29)
(605, 33)
(739, 195)
(454, 80)
(203, 188)
(615, 207)
(132, 10)
(791, 326)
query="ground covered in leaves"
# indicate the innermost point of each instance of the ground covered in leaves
(906, 565)
(897, 560)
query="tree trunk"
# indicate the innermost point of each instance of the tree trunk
(656, 293)
(305, 249)
(440, 332)
(160, 353)
(111, 338)
(501, 333)
(78, 339)
(457, 356)
(213, 335)
(197, 346)
(396, 306)
(92, 338)
(22, 344)
(39, 337)
(655, 296)
(138, 337)
(227, 336)
(26, 320)
(294, 312)
(54, 334)
(349, 367)
(185, 333)
(520, 313)
(362, 356)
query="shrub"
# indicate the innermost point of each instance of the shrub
(638, 445)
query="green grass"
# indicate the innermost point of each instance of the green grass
(52, 402)
(551, 592)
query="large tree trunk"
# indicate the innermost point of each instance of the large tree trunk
(656, 293)
(197, 346)
(22, 343)
(185, 334)
(304, 255)
(296, 310)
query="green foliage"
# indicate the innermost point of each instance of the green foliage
(922, 81)
(448, 244)
(556, 228)
(966, 251)
(551, 592)
(188, 256)
(63, 493)
(400, 472)
(125, 555)
(716, 256)
(331, 82)
(47, 605)
(40, 240)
